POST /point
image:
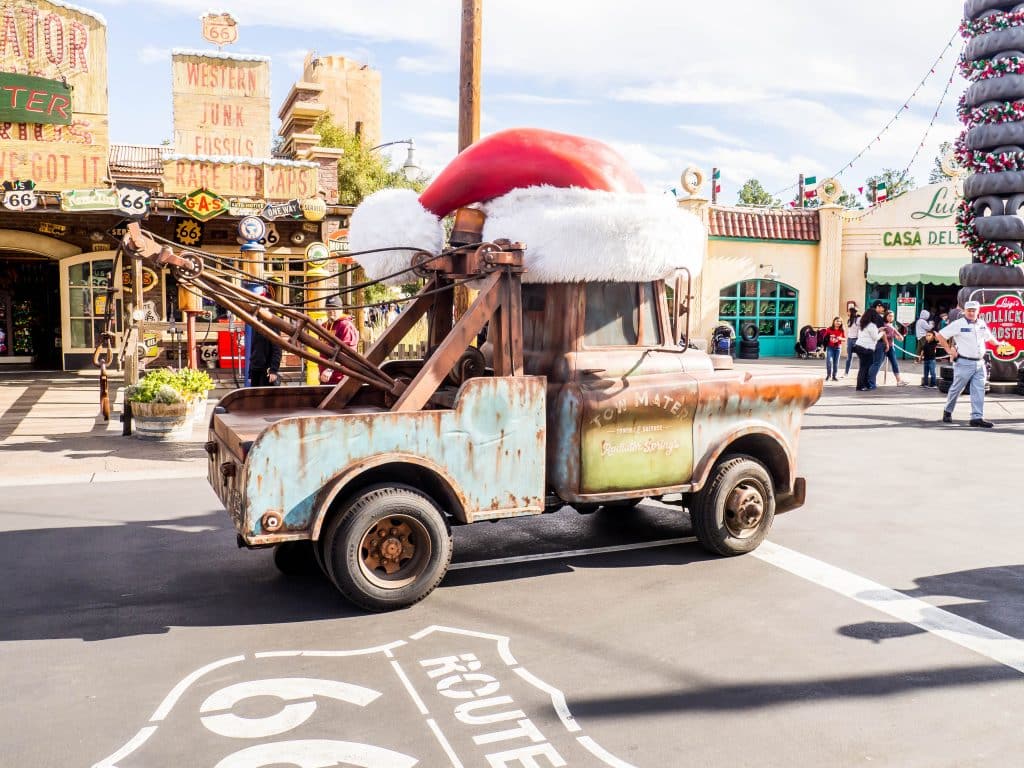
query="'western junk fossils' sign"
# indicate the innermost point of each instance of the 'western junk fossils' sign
(221, 104)
(42, 138)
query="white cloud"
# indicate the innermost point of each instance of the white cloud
(424, 65)
(714, 134)
(429, 106)
(151, 54)
(533, 98)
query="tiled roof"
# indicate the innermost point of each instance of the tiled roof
(137, 159)
(765, 224)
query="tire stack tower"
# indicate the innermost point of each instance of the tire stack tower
(991, 149)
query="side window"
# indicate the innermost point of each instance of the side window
(534, 304)
(612, 315)
(650, 327)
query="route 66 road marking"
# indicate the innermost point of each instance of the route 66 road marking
(444, 696)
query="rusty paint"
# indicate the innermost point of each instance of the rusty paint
(466, 443)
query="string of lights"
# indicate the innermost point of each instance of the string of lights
(906, 106)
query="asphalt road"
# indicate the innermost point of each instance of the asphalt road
(882, 625)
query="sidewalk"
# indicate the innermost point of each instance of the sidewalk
(51, 431)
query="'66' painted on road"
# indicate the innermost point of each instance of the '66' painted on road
(443, 697)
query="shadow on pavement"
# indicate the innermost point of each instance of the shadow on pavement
(764, 695)
(107, 581)
(994, 598)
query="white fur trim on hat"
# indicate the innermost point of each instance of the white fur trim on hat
(574, 235)
(392, 218)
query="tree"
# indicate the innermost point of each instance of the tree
(360, 171)
(937, 175)
(896, 183)
(753, 193)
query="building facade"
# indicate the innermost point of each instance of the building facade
(782, 270)
(69, 194)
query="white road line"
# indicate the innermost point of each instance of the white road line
(557, 699)
(601, 753)
(975, 637)
(456, 763)
(137, 741)
(564, 554)
(408, 687)
(180, 688)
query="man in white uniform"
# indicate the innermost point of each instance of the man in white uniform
(970, 334)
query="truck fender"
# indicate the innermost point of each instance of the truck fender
(763, 442)
(399, 466)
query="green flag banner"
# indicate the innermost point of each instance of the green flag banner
(28, 99)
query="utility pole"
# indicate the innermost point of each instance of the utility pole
(469, 101)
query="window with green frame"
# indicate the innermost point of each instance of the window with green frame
(768, 304)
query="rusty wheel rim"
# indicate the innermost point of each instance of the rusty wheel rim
(744, 510)
(394, 551)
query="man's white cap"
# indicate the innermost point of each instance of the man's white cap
(971, 305)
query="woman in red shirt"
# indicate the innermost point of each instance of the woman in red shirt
(836, 336)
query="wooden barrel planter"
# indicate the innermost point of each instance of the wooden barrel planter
(163, 421)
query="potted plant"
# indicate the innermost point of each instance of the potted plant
(165, 403)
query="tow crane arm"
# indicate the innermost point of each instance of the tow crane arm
(497, 266)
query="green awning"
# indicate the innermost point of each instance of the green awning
(918, 269)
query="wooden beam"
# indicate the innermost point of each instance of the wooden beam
(469, 73)
(385, 345)
(440, 363)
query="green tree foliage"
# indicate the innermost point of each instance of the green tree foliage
(753, 193)
(360, 171)
(896, 183)
(937, 175)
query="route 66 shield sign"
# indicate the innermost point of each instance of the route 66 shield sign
(442, 696)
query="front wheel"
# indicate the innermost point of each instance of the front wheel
(732, 514)
(388, 548)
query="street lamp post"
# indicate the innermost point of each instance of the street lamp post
(409, 167)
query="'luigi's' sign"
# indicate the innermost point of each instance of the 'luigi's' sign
(28, 99)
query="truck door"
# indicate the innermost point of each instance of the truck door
(637, 403)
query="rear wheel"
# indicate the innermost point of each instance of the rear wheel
(388, 548)
(733, 512)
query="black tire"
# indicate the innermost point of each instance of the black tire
(733, 512)
(296, 558)
(384, 527)
(984, 275)
(1000, 227)
(975, 8)
(748, 354)
(943, 386)
(987, 136)
(748, 332)
(946, 373)
(990, 44)
(1004, 183)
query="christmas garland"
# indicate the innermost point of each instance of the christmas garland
(986, 162)
(987, 69)
(1007, 112)
(984, 250)
(993, 23)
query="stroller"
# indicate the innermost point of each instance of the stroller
(723, 340)
(809, 343)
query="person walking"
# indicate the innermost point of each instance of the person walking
(891, 337)
(969, 333)
(852, 329)
(870, 326)
(264, 361)
(343, 327)
(881, 345)
(926, 354)
(835, 336)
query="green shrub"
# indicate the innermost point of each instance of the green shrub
(165, 385)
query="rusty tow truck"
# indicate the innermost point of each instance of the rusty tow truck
(580, 395)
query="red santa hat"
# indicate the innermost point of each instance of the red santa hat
(578, 207)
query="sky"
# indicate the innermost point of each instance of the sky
(764, 90)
